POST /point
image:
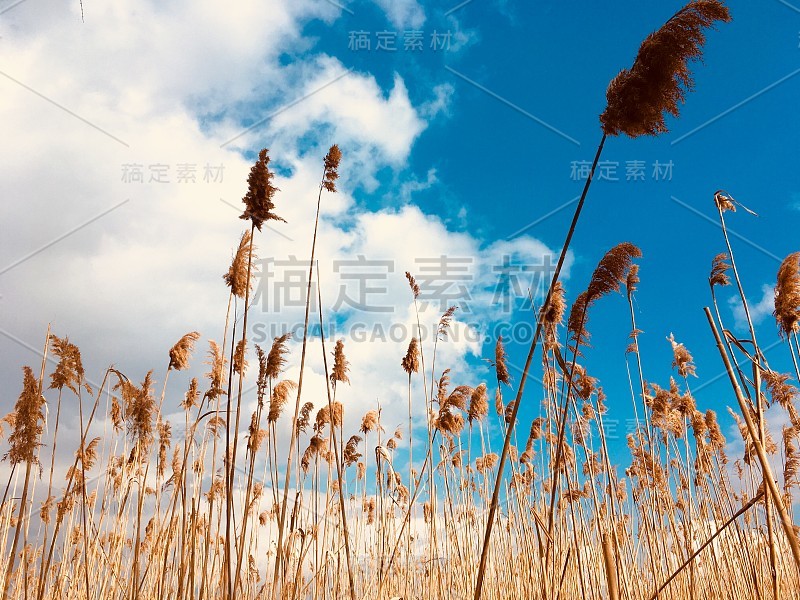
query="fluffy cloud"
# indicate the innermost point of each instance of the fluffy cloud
(759, 309)
(125, 264)
(403, 13)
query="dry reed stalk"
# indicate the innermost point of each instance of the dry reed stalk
(752, 502)
(724, 203)
(329, 176)
(752, 430)
(660, 70)
(259, 207)
(24, 441)
(339, 374)
(610, 562)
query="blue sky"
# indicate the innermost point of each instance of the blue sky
(449, 151)
(553, 61)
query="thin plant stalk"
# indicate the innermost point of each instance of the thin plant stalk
(523, 379)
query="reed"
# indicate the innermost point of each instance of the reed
(306, 499)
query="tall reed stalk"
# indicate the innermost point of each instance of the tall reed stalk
(637, 101)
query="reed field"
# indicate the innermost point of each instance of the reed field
(287, 502)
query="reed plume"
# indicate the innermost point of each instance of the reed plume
(239, 357)
(276, 359)
(23, 445)
(331, 173)
(340, 364)
(329, 176)
(28, 423)
(445, 322)
(69, 371)
(180, 353)
(140, 410)
(611, 272)
(500, 366)
(412, 283)
(410, 362)
(656, 84)
(787, 296)
(478, 404)
(236, 278)
(258, 202)
(216, 376)
(191, 396)
(304, 419)
(719, 268)
(682, 359)
(279, 398)
(552, 315)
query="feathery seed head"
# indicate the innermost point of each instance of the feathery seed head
(331, 168)
(179, 354)
(28, 422)
(236, 277)
(656, 84)
(410, 361)
(787, 296)
(340, 364)
(260, 191)
(718, 274)
(500, 362)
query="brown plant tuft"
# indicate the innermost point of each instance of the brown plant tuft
(280, 396)
(340, 364)
(28, 422)
(410, 362)
(413, 284)
(498, 403)
(69, 370)
(478, 405)
(787, 296)
(681, 358)
(351, 453)
(552, 315)
(239, 357)
(258, 200)
(331, 168)
(370, 421)
(236, 277)
(216, 360)
(639, 98)
(191, 396)
(779, 388)
(276, 357)
(724, 202)
(140, 410)
(179, 354)
(500, 365)
(304, 419)
(718, 274)
(445, 321)
(611, 272)
(792, 456)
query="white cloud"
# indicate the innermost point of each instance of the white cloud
(403, 13)
(759, 309)
(443, 95)
(412, 185)
(355, 112)
(128, 284)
